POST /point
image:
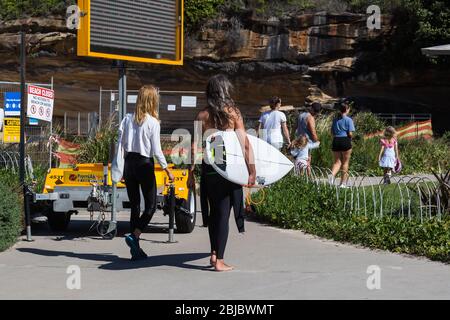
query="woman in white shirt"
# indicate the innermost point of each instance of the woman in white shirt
(139, 141)
(273, 125)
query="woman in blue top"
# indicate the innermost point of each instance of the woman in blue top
(342, 131)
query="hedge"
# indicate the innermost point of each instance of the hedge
(10, 210)
(295, 203)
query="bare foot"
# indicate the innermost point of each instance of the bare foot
(221, 266)
(213, 259)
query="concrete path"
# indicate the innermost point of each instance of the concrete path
(270, 264)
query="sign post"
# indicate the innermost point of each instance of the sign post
(27, 194)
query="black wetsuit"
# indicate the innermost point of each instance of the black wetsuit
(139, 172)
(222, 195)
(203, 196)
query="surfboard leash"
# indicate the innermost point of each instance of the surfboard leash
(248, 196)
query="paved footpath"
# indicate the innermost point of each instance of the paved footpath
(270, 264)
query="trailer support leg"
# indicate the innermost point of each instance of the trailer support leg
(171, 214)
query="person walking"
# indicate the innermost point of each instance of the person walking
(300, 150)
(306, 122)
(221, 113)
(273, 125)
(138, 143)
(342, 131)
(306, 126)
(389, 155)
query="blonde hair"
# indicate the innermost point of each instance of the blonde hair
(300, 142)
(147, 103)
(389, 132)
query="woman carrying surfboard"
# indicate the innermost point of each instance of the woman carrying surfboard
(221, 114)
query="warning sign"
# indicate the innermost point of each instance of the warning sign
(11, 130)
(40, 103)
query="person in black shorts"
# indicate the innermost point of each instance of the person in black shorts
(342, 131)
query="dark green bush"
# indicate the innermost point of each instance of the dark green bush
(198, 11)
(13, 9)
(297, 204)
(10, 210)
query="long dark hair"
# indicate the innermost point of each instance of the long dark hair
(218, 97)
(341, 106)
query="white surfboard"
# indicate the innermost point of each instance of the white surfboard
(224, 153)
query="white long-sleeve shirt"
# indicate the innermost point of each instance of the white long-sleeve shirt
(143, 139)
(304, 152)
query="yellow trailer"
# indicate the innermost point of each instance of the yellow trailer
(66, 191)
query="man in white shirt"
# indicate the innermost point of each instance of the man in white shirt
(273, 125)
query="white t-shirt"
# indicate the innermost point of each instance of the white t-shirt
(271, 124)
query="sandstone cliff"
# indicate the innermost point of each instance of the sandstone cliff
(263, 57)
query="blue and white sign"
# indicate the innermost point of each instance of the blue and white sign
(33, 121)
(12, 103)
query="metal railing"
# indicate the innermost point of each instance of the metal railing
(410, 196)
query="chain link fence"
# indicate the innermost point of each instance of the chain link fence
(177, 109)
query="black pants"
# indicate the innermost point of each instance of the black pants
(139, 173)
(220, 196)
(236, 200)
(203, 196)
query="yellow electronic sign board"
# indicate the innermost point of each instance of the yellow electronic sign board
(149, 31)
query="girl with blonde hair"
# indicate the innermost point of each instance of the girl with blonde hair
(300, 150)
(138, 143)
(388, 153)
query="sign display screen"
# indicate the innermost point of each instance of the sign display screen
(135, 30)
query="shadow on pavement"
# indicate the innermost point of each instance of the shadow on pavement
(115, 262)
(80, 229)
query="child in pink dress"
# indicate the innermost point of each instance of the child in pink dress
(389, 153)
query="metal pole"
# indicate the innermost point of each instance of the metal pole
(122, 90)
(65, 123)
(171, 213)
(51, 134)
(111, 103)
(23, 103)
(22, 108)
(79, 119)
(100, 109)
(122, 113)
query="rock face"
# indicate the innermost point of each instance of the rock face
(310, 39)
(262, 57)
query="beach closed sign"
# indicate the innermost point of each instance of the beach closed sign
(40, 103)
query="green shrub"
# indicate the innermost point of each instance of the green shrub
(13, 9)
(297, 204)
(10, 210)
(97, 149)
(367, 122)
(198, 11)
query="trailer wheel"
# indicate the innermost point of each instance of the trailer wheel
(58, 221)
(185, 213)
